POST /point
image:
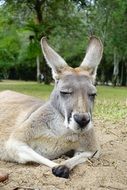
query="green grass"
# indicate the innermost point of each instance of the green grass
(110, 104)
(30, 88)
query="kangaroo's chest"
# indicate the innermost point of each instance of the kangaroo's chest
(52, 138)
(53, 147)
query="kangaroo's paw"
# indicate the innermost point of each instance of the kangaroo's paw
(61, 171)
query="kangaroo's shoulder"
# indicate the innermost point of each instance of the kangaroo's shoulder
(17, 103)
(12, 96)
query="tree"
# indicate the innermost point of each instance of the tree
(58, 20)
(108, 19)
(9, 42)
(66, 24)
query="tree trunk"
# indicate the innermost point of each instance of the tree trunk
(37, 7)
(46, 71)
(38, 70)
(123, 76)
(116, 68)
(126, 73)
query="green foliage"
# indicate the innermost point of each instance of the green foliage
(9, 42)
(67, 25)
(108, 19)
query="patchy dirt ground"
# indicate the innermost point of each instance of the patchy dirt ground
(108, 172)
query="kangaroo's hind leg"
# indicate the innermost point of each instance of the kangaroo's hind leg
(20, 152)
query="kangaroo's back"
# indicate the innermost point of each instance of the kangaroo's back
(14, 109)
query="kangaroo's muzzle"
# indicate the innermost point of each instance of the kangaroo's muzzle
(82, 119)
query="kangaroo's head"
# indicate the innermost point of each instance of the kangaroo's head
(74, 92)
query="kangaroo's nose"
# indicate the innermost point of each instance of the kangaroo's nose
(82, 119)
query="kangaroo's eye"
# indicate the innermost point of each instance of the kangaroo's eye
(92, 95)
(65, 92)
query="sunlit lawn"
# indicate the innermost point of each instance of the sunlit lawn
(111, 103)
(30, 88)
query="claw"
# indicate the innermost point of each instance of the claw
(61, 171)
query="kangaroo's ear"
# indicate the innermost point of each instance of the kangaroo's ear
(93, 56)
(54, 60)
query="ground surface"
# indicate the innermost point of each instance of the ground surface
(108, 172)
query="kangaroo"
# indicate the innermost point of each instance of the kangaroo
(34, 131)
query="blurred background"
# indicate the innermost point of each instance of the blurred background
(67, 24)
